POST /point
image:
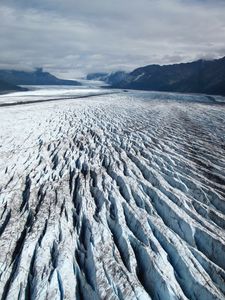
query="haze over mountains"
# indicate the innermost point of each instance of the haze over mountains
(200, 76)
(110, 78)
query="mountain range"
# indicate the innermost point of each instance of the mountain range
(11, 79)
(200, 76)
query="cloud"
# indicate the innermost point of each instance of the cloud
(72, 38)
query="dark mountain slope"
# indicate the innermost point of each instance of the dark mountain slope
(196, 77)
(37, 77)
(7, 87)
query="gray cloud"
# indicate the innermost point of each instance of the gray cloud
(73, 37)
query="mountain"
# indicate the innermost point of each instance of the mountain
(116, 77)
(7, 87)
(37, 77)
(200, 76)
(113, 78)
(97, 76)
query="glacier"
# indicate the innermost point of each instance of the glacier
(116, 196)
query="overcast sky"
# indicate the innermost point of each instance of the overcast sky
(73, 37)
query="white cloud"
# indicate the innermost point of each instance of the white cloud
(75, 37)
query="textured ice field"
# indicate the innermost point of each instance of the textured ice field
(113, 197)
(50, 93)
